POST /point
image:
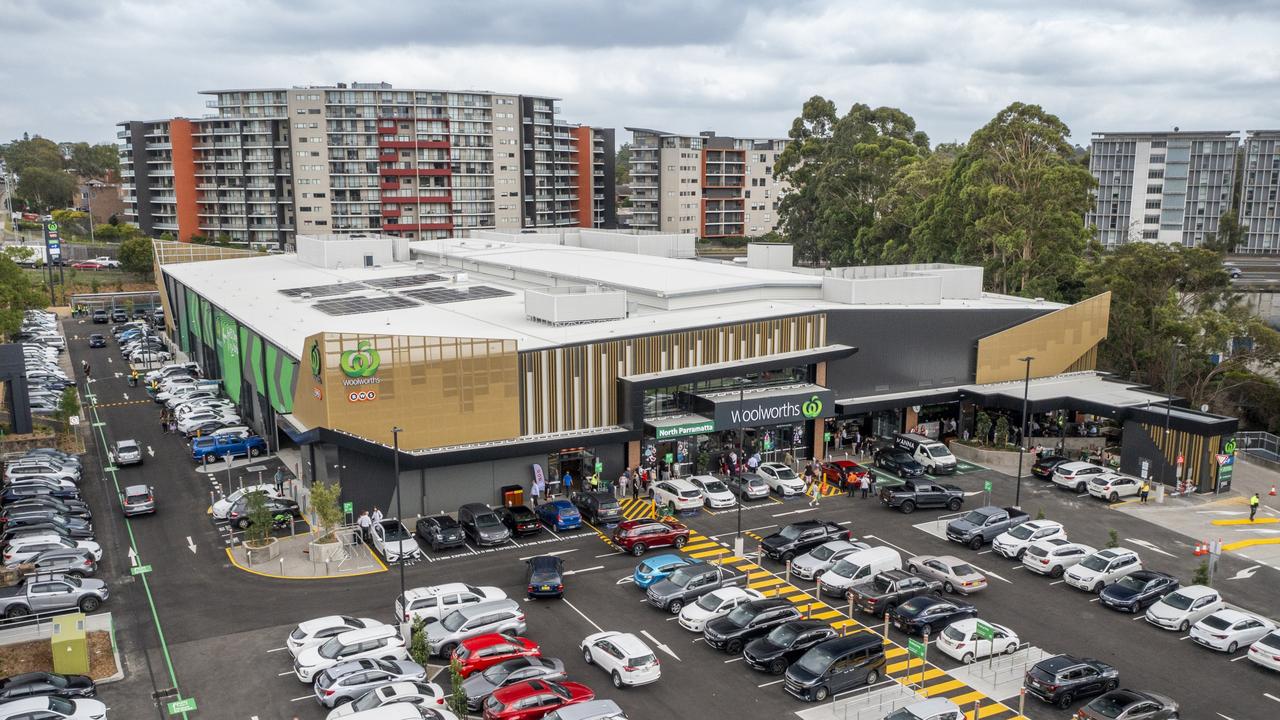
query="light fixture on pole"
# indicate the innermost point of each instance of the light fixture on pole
(395, 460)
(1022, 429)
(1168, 406)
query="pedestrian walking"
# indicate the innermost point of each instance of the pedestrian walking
(280, 481)
(865, 484)
(84, 365)
(365, 523)
(815, 492)
(623, 480)
(377, 514)
(851, 484)
(539, 486)
(871, 481)
(567, 481)
(173, 427)
(1253, 505)
(1143, 491)
(753, 462)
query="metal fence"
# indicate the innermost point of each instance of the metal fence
(129, 301)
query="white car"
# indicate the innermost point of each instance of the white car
(820, 559)
(960, 640)
(22, 548)
(106, 261)
(149, 356)
(314, 632)
(174, 369)
(1102, 568)
(382, 642)
(1076, 475)
(223, 506)
(1013, 544)
(408, 696)
(47, 707)
(1055, 556)
(433, 602)
(196, 419)
(1266, 651)
(394, 541)
(1184, 607)
(715, 493)
(780, 478)
(683, 494)
(715, 604)
(1227, 630)
(624, 656)
(1111, 486)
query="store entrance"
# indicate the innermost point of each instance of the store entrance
(578, 463)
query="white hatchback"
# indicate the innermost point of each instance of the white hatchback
(379, 643)
(1102, 568)
(961, 641)
(1227, 630)
(1076, 475)
(1184, 607)
(680, 493)
(781, 479)
(1054, 556)
(715, 604)
(624, 656)
(223, 506)
(1014, 543)
(714, 492)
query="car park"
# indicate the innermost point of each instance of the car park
(962, 641)
(382, 642)
(654, 569)
(348, 681)
(748, 486)
(51, 707)
(1055, 556)
(638, 536)
(494, 616)
(1076, 475)
(836, 666)
(534, 699)
(1126, 704)
(397, 701)
(28, 467)
(482, 525)
(1184, 607)
(926, 614)
(676, 494)
(715, 494)
(1228, 630)
(857, 568)
(1102, 568)
(559, 515)
(317, 631)
(1135, 591)
(1266, 651)
(785, 644)
(623, 657)
(223, 506)
(817, 561)
(126, 452)
(843, 473)
(17, 491)
(66, 508)
(544, 577)
(479, 653)
(433, 602)
(898, 462)
(1061, 679)
(715, 604)
(481, 685)
(21, 549)
(67, 561)
(394, 541)
(519, 519)
(1013, 543)
(600, 508)
(956, 575)
(440, 532)
(781, 479)
(747, 622)
(74, 528)
(45, 593)
(35, 684)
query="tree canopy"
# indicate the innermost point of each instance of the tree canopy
(17, 294)
(137, 256)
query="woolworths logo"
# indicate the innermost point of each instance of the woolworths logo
(361, 363)
(812, 407)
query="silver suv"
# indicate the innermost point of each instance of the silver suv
(498, 616)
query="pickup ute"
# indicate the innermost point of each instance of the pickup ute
(217, 446)
(888, 590)
(913, 494)
(981, 526)
(691, 582)
(51, 593)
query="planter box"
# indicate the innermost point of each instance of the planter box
(1004, 461)
(259, 555)
(325, 552)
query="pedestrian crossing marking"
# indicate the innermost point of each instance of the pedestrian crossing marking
(694, 547)
(764, 583)
(894, 652)
(987, 710)
(825, 615)
(967, 698)
(904, 665)
(709, 553)
(942, 687)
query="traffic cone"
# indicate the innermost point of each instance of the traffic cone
(1273, 491)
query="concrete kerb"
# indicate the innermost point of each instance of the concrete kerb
(293, 563)
(41, 628)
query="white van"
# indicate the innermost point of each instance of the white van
(858, 568)
(933, 455)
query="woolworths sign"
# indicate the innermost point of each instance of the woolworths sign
(692, 428)
(772, 410)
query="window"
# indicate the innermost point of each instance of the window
(1155, 189)
(1157, 159)
(1151, 219)
(1153, 204)
(1155, 173)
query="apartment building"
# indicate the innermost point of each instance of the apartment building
(706, 185)
(273, 162)
(1260, 184)
(1166, 187)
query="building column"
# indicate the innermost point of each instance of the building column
(633, 453)
(911, 418)
(816, 442)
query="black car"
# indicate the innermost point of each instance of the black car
(1060, 679)
(1137, 590)
(238, 515)
(801, 537)
(440, 532)
(14, 493)
(545, 576)
(74, 528)
(66, 508)
(100, 317)
(785, 644)
(1043, 468)
(928, 614)
(600, 508)
(747, 622)
(899, 462)
(97, 340)
(519, 519)
(42, 683)
(1129, 705)
(18, 515)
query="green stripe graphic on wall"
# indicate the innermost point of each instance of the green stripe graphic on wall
(228, 349)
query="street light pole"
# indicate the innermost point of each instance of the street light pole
(395, 441)
(1168, 407)
(737, 545)
(1022, 431)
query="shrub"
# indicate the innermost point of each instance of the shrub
(1113, 539)
(325, 499)
(1202, 574)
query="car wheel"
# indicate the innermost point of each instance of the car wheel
(676, 606)
(586, 655)
(447, 649)
(927, 630)
(908, 507)
(1064, 700)
(617, 680)
(1097, 589)
(947, 586)
(788, 556)
(242, 523)
(638, 549)
(1011, 648)
(953, 504)
(911, 568)
(976, 543)
(968, 658)
(90, 604)
(1019, 555)
(733, 647)
(1113, 497)
(1232, 648)
(1080, 488)
(254, 452)
(821, 693)
(340, 702)
(778, 666)
(681, 542)
(1111, 685)
(1185, 626)
(17, 611)
(872, 677)
(1056, 572)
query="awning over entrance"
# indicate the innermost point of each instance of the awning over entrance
(674, 426)
(757, 407)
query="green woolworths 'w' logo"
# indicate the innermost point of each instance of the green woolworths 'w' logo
(317, 363)
(361, 362)
(812, 407)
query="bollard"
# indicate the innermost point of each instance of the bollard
(282, 566)
(212, 499)
(846, 627)
(788, 578)
(924, 661)
(1022, 701)
(760, 553)
(886, 624)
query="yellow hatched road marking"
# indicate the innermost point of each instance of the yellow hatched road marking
(700, 546)
(826, 615)
(930, 674)
(967, 698)
(905, 664)
(894, 652)
(764, 583)
(710, 553)
(942, 687)
(989, 710)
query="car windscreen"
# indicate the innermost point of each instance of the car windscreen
(453, 621)
(783, 635)
(1022, 532)
(1272, 641)
(977, 517)
(498, 673)
(690, 493)
(843, 568)
(1037, 551)
(823, 552)
(710, 601)
(1132, 583)
(1178, 601)
(816, 661)
(791, 532)
(1110, 706)
(1096, 563)
(741, 615)
(785, 473)
(938, 451)
(963, 569)
(331, 648)
(395, 531)
(682, 576)
(139, 497)
(954, 633)
(487, 520)
(544, 572)
(641, 660)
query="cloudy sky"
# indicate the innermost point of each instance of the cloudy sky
(71, 69)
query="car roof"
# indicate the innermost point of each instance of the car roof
(682, 484)
(1196, 591)
(136, 489)
(476, 508)
(1076, 465)
(775, 466)
(930, 707)
(1235, 616)
(432, 590)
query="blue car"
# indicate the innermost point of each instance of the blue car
(658, 568)
(217, 446)
(560, 515)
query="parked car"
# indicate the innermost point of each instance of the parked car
(100, 317)
(956, 575)
(1060, 679)
(913, 494)
(479, 653)
(817, 561)
(801, 537)
(53, 592)
(638, 536)
(651, 570)
(66, 508)
(519, 519)
(842, 473)
(890, 589)
(928, 614)
(1014, 543)
(382, 642)
(1134, 592)
(481, 685)
(48, 707)
(433, 602)
(1044, 465)
(22, 549)
(559, 515)
(534, 699)
(1103, 568)
(984, 524)
(836, 666)
(544, 577)
(690, 582)
(600, 508)
(781, 479)
(715, 604)
(931, 709)
(747, 622)
(401, 700)
(239, 513)
(214, 448)
(138, 500)
(440, 532)
(961, 641)
(321, 629)
(857, 569)
(676, 493)
(482, 524)
(394, 541)
(784, 644)
(224, 505)
(715, 494)
(1076, 475)
(1112, 486)
(1053, 557)
(1266, 651)
(494, 616)
(34, 684)
(898, 462)
(623, 656)
(1127, 704)
(1227, 630)
(1184, 607)
(349, 681)
(748, 486)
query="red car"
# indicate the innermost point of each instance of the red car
(484, 651)
(636, 536)
(88, 265)
(532, 699)
(839, 473)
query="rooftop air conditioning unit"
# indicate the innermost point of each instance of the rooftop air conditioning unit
(460, 277)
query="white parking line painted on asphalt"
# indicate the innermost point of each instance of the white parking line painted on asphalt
(584, 615)
(1093, 599)
(286, 672)
(553, 552)
(583, 570)
(1184, 637)
(736, 659)
(611, 554)
(795, 512)
(1138, 617)
(1057, 582)
(988, 572)
(278, 649)
(985, 552)
(735, 532)
(304, 697)
(775, 682)
(1224, 717)
(1240, 658)
(1149, 546)
(1273, 697)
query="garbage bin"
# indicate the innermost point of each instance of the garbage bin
(512, 495)
(70, 645)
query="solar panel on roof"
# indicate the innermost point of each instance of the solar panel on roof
(362, 304)
(404, 281)
(443, 295)
(323, 290)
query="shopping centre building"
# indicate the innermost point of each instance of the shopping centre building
(501, 357)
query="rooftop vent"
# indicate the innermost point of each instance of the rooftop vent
(574, 305)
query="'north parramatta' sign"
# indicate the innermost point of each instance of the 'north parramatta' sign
(684, 429)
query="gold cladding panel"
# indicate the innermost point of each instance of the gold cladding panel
(1061, 341)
